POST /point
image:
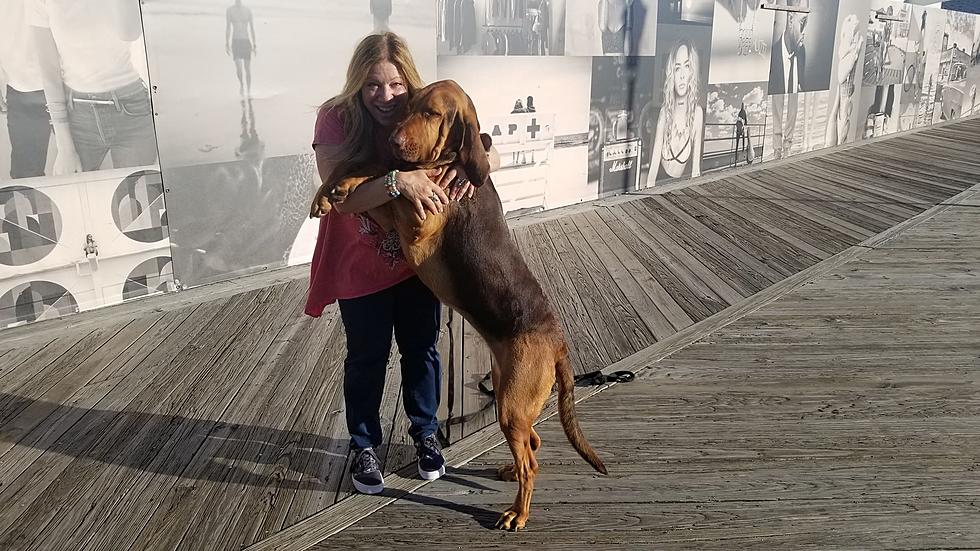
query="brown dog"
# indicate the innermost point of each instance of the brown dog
(467, 257)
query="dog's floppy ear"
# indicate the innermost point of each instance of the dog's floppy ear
(472, 153)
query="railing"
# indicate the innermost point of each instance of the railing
(719, 153)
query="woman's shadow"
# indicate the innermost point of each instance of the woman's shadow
(180, 446)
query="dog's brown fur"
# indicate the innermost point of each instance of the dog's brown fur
(468, 259)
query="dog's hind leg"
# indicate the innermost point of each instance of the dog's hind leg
(507, 473)
(525, 385)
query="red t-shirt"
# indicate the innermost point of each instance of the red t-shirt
(353, 257)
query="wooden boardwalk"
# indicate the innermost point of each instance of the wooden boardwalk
(845, 414)
(214, 422)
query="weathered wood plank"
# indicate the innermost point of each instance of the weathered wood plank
(587, 341)
(626, 280)
(612, 337)
(693, 296)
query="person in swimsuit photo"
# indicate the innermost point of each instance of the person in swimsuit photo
(680, 126)
(621, 25)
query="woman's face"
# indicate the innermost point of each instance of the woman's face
(682, 71)
(384, 93)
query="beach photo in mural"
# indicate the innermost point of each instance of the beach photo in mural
(500, 27)
(677, 137)
(735, 123)
(954, 96)
(843, 121)
(538, 125)
(933, 26)
(611, 27)
(73, 88)
(258, 77)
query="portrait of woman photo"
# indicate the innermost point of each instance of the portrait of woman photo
(678, 136)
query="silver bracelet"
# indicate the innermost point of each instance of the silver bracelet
(390, 184)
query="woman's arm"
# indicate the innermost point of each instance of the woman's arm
(698, 131)
(414, 186)
(466, 189)
(658, 144)
(66, 159)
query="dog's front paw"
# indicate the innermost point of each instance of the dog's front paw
(338, 193)
(511, 520)
(319, 207)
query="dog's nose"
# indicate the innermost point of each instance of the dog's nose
(397, 139)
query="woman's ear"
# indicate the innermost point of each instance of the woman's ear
(473, 154)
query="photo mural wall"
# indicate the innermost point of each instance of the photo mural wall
(82, 216)
(165, 144)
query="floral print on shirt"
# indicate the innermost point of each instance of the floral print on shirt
(388, 245)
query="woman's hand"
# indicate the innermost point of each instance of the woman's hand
(426, 195)
(457, 182)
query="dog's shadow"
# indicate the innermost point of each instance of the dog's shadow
(486, 518)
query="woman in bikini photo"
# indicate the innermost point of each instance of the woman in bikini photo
(680, 126)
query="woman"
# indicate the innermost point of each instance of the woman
(677, 140)
(362, 267)
(839, 123)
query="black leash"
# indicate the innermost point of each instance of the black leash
(594, 378)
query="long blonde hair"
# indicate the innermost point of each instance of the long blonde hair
(358, 123)
(693, 88)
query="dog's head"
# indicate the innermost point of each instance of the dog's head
(440, 127)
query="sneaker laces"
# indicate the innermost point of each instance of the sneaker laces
(429, 446)
(366, 461)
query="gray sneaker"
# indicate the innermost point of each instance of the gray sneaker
(365, 472)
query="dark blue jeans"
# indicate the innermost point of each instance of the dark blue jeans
(412, 312)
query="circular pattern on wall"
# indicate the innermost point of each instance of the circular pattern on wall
(30, 225)
(138, 207)
(148, 277)
(35, 301)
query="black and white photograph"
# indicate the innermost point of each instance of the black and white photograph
(796, 123)
(679, 12)
(884, 60)
(843, 121)
(935, 42)
(611, 27)
(85, 233)
(973, 76)
(622, 117)
(741, 39)
(73, 88)
(913, 71)
(802, 52)
(538, 125)
(259, 69)
(955, 66)
(500, 27)
(677, 136)
(35, 301)
(735, 125)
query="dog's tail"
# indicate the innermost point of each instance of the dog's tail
(566, 412)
